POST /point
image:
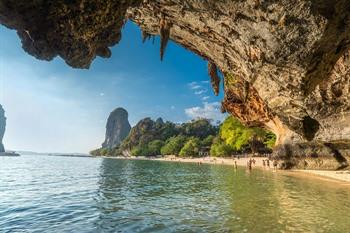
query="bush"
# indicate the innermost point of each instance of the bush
(208, 141)
(173, 145)
(140, 151)
(154, 147)
(191, 148)
(220, 149)
(270, 140)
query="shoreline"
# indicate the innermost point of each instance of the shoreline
(342, 177)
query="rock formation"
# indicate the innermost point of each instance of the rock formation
(286, 62)
(117, 128)
(2, 127)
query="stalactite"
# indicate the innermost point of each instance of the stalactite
(223, 108)
(164, 31)
(145, 36)
(215, 79)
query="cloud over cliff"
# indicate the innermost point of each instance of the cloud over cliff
(208, 110)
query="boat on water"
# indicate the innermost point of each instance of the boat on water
(10, 154)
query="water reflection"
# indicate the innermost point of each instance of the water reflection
(170, 197)
(57, 194)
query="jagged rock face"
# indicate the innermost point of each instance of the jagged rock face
(138, 133)
(77, 30)
(2, 128)
(293, 55)
(117, 128)
(290, 57)
(315, 155)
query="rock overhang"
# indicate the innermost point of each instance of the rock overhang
(290, 58)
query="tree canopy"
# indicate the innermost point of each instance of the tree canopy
(152, 138)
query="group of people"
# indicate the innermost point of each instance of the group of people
(266, 163)
(250, 162)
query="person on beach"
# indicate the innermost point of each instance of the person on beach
(253, 162)
(235, 165)
(249, 164)
(275, 164)
(268, 163)
(264, 163)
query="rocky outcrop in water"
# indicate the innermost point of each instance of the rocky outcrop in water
(2, 127)
(286, 62)
(117, 128)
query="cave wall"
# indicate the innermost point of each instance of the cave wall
(292, 54)
(290, 58)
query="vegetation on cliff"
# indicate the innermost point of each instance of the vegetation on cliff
(195, 138)
(150, 138)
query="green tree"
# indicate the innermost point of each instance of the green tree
(95, 152)
(191, 147)
(208, 141)
(270, 140)
(200, 128)
(173, 145)
(220, 148)
(141, 150)
(105, 152)
(154, 147)
(234, 133)
(239, 136)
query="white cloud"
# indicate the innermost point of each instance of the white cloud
(194, 85)
(206, 82)
(200, 92)
(172, 107)
(204, 98)
(102, 94)
(208, 110)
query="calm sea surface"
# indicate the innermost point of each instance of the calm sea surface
(63, 194)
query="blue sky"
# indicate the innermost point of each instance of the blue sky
(52, 107)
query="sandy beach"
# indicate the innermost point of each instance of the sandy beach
(332, 176)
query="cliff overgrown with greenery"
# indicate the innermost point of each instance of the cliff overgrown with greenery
(192, 139)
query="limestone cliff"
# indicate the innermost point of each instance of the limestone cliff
(2, 127)
(117, 128)
(286, 62)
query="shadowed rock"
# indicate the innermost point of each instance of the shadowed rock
(214, 77)
(117, 128)
(2, 127)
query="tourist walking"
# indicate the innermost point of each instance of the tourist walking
(249, 164)
(275, 164)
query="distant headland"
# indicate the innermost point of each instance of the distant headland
(2, 132)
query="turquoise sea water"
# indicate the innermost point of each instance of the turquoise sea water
(64, 194)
